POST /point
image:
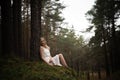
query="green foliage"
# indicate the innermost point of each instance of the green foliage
(103, 48)
(51, 17)
(15, 69)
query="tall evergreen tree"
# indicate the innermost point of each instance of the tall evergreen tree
(26, 16)
(104, 15)
(17, 29)
(6, 28)
(35, 29)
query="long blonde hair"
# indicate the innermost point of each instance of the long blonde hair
(41, 41)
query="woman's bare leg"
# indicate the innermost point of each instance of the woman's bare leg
(63, 60)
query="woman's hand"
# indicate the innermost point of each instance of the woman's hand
(51, 61)
(50, 64)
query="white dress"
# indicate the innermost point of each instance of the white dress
(46, 56)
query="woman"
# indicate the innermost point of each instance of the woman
(46, 56)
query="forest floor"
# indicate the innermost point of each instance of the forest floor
(17, 69)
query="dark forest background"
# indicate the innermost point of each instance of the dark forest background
(23, 22)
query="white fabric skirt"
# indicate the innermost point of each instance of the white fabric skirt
(56, 60)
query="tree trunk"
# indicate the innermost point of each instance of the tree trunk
(114, 48)
(88, 75)
(26, 29)
(28, 32)
(0, 31)
(6, 27)
(35, 29)
(99, 72)
(107, 61)
(17, 27)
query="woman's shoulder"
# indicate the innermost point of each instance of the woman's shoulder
(41, 47)
(47, 47)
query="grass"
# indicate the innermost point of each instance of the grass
(16, 69)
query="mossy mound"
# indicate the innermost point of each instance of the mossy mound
(15, 69)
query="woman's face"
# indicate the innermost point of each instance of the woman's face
(43, 41)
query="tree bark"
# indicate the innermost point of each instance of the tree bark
(99, 72)
(107, 61)
(0, 31)
(35, 29)
(114, 48)
(17, 27)
(6, 27)
(26, 29)
(88, 75)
